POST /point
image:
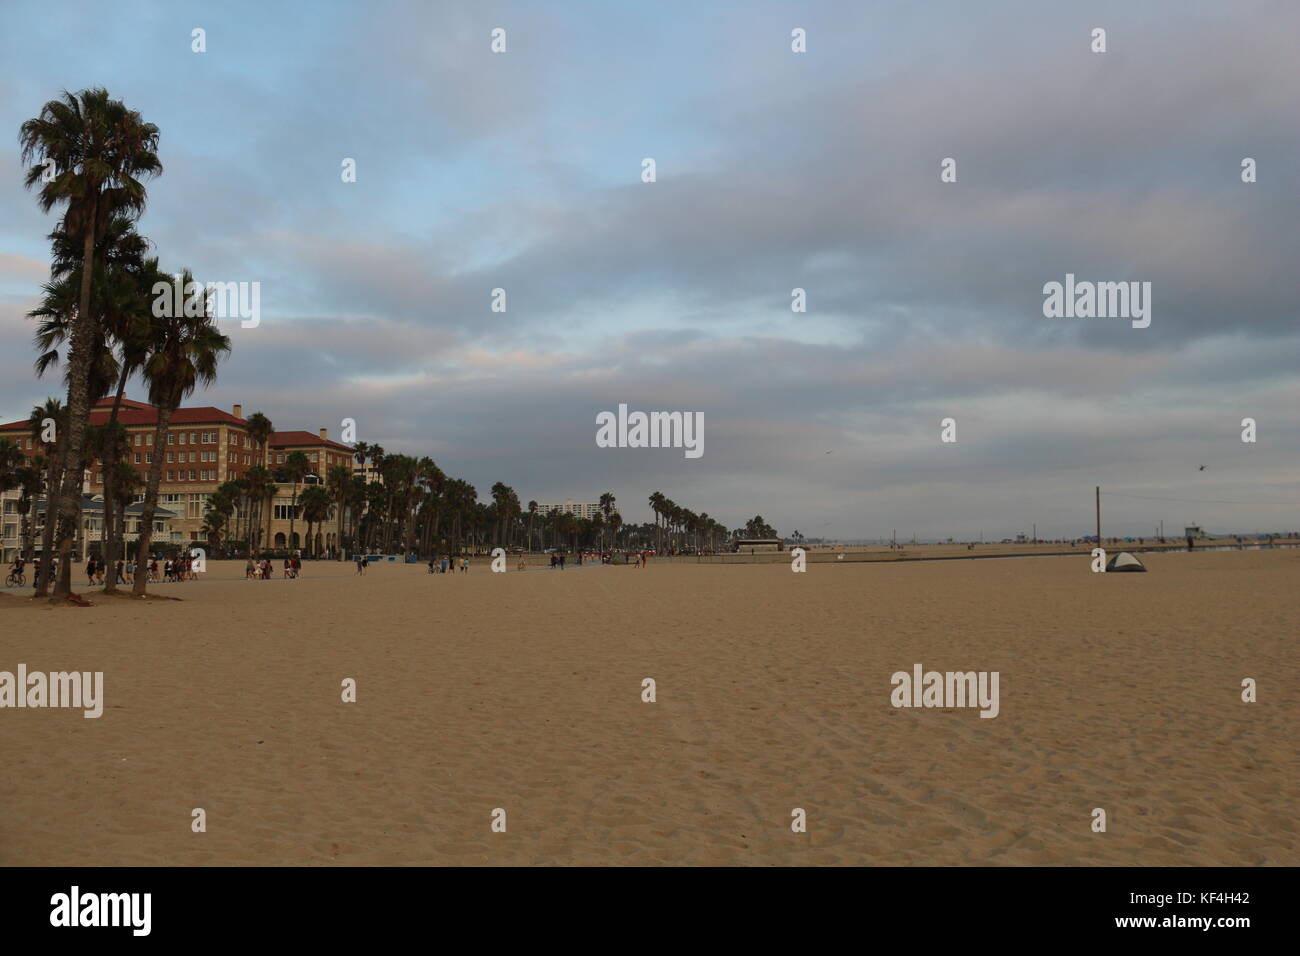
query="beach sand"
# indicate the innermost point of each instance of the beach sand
(522, 691)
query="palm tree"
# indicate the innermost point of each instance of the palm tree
(182, 353)
(99, 151)
(109, 443)
(260, 430)
(316, 509)
(361, 452)
(121, 303)
(296, 468)
(125, 483)
(259, 487)
(338, 482)
(656, 505)
(357, 498)
(607, 506)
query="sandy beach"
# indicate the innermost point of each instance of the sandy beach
(522, 691)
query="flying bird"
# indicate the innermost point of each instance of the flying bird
(1202, 468)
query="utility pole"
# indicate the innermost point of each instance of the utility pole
(1035, 532)
(1099, 516)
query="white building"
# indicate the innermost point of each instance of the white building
(581, 509)
(92, 525)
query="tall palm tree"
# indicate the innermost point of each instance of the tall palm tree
(357, 499)
(99, 152)
(106, 442)
(122, 303)
(260, 487)
(296, 468)
(657, 505)
(316, 508)
(260, 430)
(126, 482)
(338, 483)
(607, 506)
(182, 353)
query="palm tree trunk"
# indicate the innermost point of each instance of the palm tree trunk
(69, 510)
(112, 541)
(293, 513)
(53, 469)
(150, 502)
(28, 536)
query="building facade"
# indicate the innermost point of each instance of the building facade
(203, 448)
(581, 509)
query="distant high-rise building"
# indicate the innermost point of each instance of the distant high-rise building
(581, 509)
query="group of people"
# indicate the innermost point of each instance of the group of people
(263, 570)
(448, 563)
(124, 571)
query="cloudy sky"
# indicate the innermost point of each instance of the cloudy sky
(775, 170)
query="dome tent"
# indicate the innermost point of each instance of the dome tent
(1124, 562)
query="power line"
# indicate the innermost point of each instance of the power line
(1201, 501)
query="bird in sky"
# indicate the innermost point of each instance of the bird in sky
(1202, 468)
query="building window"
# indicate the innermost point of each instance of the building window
(171, 457)
(192, 478)
(148, 439)
(148, 458)
(137, 458)
(171, 476)
(171, 438)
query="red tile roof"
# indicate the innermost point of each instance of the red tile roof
(291, 439)
(137, 413)
(206, 415)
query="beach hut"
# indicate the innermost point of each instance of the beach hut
(1124, 562)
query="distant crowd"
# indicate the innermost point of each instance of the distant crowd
(264, 570)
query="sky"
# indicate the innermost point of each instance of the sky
(775, 170)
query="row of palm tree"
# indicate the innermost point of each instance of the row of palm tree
(90, 155)
(682, 528)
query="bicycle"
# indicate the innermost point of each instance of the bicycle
(16, 579)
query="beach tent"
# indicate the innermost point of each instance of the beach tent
(1124, 562)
